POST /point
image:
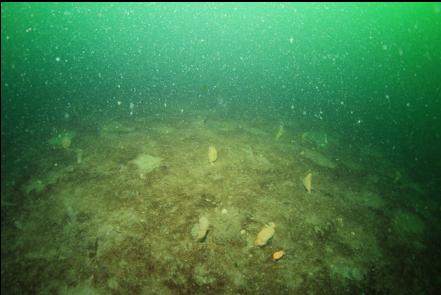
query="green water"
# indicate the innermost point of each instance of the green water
(108, 111)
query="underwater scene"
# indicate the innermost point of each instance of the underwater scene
(220, 148)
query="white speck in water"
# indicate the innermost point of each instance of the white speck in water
(182, 110)
(292, 107)
(119, 102)
(57, 59)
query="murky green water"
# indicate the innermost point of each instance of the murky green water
(110, 114)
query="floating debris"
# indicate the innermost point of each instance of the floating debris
(265, 234)
(307, 182)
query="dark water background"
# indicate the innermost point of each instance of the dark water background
(368, 71)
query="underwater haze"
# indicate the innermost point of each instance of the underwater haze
(220, 148)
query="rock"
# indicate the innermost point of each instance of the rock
(227, 226)
(280, 132)
(62, 140)
(202, 275)
(212, 154)
(36, 186)
(318, 158)
(307, 182)
(146, 163)
(320, 139)
(200, 230)
(407, 225)
(265, 234)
